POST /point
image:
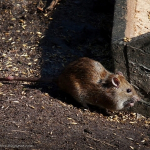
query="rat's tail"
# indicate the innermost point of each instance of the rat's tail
(34, 79)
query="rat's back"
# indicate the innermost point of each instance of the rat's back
(79, 74)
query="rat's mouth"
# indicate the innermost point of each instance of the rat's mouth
(129, 103)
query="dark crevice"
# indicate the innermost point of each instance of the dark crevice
(144, 93)
(127, 63)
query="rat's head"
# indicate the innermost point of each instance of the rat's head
(123, 92)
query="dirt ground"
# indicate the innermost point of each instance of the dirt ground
(38, 42)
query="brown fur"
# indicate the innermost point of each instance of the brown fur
(89, 82)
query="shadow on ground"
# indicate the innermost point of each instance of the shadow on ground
(77, 29)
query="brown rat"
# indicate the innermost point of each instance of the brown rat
(88, 82)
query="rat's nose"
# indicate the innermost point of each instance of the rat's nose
(136, 98)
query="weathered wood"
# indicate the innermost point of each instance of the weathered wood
(131, 56)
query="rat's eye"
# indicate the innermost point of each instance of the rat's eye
(129, 90)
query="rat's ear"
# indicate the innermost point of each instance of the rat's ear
(119, 73)
(115, 82)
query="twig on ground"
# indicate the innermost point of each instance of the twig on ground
(52, 5)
